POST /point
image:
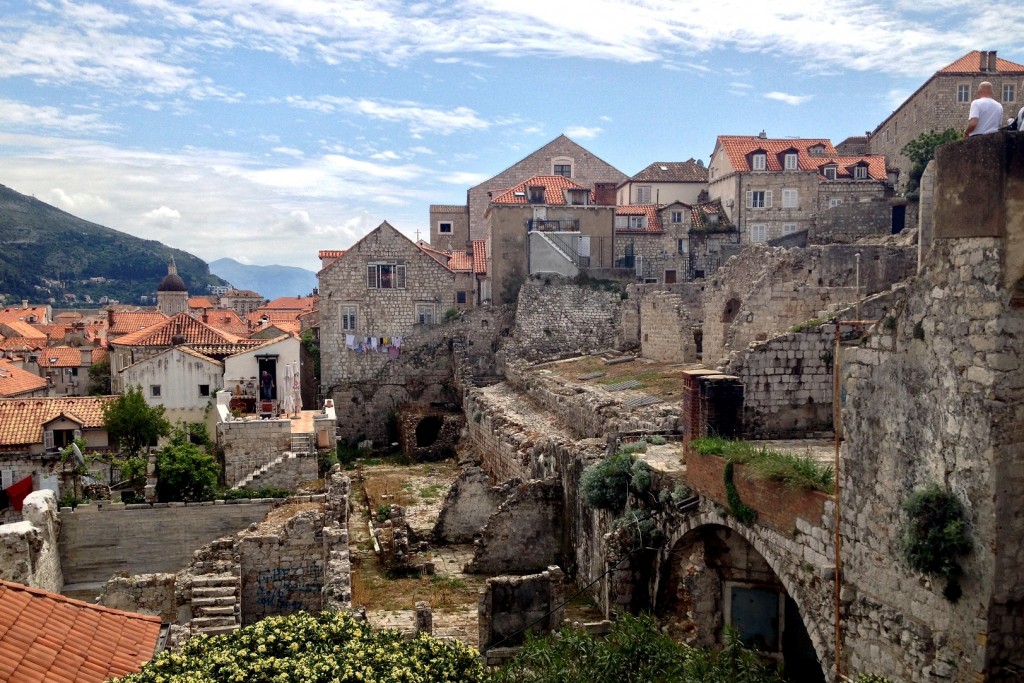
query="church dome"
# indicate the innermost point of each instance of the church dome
(172, 282)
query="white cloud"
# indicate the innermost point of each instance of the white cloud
(163, 217)
(418, 117)
(463, 178)
(583, 132)
(76, 201)
(289, 151)
(19, 115)
(793, 100)
(386, 155)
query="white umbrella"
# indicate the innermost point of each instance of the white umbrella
(287, 404)
(297, 390)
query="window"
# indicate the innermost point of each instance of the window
(579, 197)
(816, 150)
(348, 317)
(790, 161)
(1008, 92)
(204, 390)
(643, 194)
(963, 93)
(683, 246)
(829, 172)
(860, 172)
(834, 201)
(758, 233)
(637, 222)
(425, 314)
(385, 276)
(788, 228)
(154, 390)
(759, 199)
(564, 170)
(789, 199)
(445, 228)
(460, 297)
(677, 216)
(536, 194)
(758, 162)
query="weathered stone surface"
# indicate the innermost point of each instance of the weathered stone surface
(28, 549)
(469, 504)
(524, 534)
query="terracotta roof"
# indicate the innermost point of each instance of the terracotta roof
(441, 257)
(738, 149)
(181, 325)
(220, 351)
(244, 293)
(330, 253)
(283, 328)
(256, 317)
(196, 302)
(18, 313)
(291, 303)
(480, 256)
(701, 213)
(22, 344)
(874, 162)
(99, 354)
(55, 331)
(460, 261)
(672, 172)
(14, 381)
(554, 190)
(970, 64)
(23, 329)
(60, 357)
(22, 419)
(649, 210)
(68, 316)
(226, 320)
(126, 322)
(48, 637)
(187, 350)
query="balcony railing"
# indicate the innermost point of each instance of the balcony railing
(556, 225)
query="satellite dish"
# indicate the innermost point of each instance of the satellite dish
(77, 453)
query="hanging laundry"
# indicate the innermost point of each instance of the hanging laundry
(350, 341)
(373, 343)
(398, 342)
(16, 492)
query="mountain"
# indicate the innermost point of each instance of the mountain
(270, 281)
(48, 255)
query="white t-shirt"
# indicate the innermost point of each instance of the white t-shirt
(989, 114)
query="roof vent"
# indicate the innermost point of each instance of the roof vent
(762, 135)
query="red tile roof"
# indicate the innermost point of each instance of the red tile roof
(460, 261)
(672, 172)
(99, 354)
(199, 302)
(256, 318)
(554, 190)
(700, 216)
(738, 149)
(22, 344)
(181, 325)
(226, 320)
(22, 419)
(60, 357)
(649, 210)
(18, 313)
(126, 322)
(330, 253)
(845, 164)
(970, 64)
(480, 256)
(291, 303)
(15, 382)
(48, 637)
(19, 328)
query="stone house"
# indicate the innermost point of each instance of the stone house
(944, 101)
(665, 182)
(560, 157)
(546, 224)
(383, 288)
(470, 267)
(272, 356)
(180, 379)
(35, 315)
(16, 382)
(775, 187)
(241, 301)
(66, 368)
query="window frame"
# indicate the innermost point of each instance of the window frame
(348, 317)
(789, 228)
(790, 198)
(682, 246)
(765, 199)
(643, 194)
(759, 162)
(460, 297)
(755, 228)
(396, 275)
(860, 172)
(963, 93)
(204, 391)
(426, 310)
(441, 227)
(834, 202)
(790, 161)
(830, 172)
(1010, 88)
(155, 391)
(637, 222)
(676, 217)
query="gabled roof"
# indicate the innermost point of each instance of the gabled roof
(875, 164)
(22, 419)
(649, 210)
(330, 253)
(688, 171)
(243, 293)
(22, 344)
(197, 302)
(20, 328)
(554, 190)
(11, 313)
(256, 318)
(48, 637)
(574, 149)
(357, 247)
(187, 350)
(970, 65)
(221, 351)
(701, 216)
(60, 357)
(459, 261)
(14, 381)
(126, 322)
(291, 303)
(738, 149)
(226, 320)
(181, 325)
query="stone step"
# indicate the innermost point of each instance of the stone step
(214, 580)
(212, 602)
(228, 611)
(214, 592)
(218, 630)
(206, 622)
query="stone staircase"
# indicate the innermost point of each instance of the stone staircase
(302, 443)
(253, 480)
(216, 590)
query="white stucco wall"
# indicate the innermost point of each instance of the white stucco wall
(242, 367)
(179, 376)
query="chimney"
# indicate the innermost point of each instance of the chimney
(762, 135)
(206, 318)
(24, 303)
(604, 194)
(86, 357)
(97, 342)
(992, 61)
(110, 318)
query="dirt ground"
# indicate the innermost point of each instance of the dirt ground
(656, 378)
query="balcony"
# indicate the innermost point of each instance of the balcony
(556, 225)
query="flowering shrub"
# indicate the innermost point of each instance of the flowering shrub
(302, 648)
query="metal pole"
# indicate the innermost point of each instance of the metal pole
(836, 427)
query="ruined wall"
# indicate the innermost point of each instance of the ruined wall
(561, 319)
(283, 572)
(690, 299)
(137, 539)
(511, 606)
(471, 500)
(250, 444)
(28, 549)
(934, 397)
(143, 593)
(764, 290)
(852, 220)
(524, 534)
(667, 328)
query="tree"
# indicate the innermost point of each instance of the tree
(133, 424)
(99, 378)
(184, 472)
(920, 151)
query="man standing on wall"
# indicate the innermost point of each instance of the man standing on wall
(986, 114)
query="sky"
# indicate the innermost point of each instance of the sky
(266, 130)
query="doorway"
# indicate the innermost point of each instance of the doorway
(267, 364)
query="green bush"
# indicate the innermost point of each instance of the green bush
(301, 648)
(635, 651)
(245, 492)
(606, 484)
(70, 502)
(657, 440)
(635, 529)
(185, 472)
(936, 535)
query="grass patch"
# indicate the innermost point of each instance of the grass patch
(431, 491)
(807, 325)
(375, 591)
(798, 471)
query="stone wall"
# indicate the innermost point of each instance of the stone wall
(926, 211)
(290, 471)
(509, 607)
(97, 542)
(251, 444)
(667, 330)
(934, 397)
(143, 593)
(524, 534)
(469, 504)
(28, 549)
(556, 318)
(851, 220)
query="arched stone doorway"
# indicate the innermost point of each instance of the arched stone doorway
(713, 577)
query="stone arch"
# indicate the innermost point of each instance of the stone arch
(428, 430)
(731, 310)
(784, 566)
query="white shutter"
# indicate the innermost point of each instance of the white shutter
(750, 199)
(400, 277)
(768, 199)
(371, 277)
(48, 439)
(78, 433)
(585, 245)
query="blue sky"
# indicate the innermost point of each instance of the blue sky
(265, 130)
